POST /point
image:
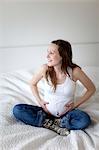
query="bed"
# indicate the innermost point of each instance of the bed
(15, 135)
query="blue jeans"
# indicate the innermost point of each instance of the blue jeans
(35, 116)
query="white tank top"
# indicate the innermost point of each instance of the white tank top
(63, 94)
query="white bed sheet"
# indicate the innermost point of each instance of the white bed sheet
(15, 135)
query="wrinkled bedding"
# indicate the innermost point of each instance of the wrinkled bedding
(15, 135)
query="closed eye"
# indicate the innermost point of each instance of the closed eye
(50, 52)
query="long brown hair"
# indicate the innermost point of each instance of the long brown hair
(65, 51)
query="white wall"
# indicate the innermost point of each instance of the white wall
(26, 27)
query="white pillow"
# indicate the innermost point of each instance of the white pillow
(93, 73)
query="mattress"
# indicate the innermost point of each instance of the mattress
(15, 135)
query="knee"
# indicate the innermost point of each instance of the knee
(86, 121)
(17, 110)
(83, 120)
(76, 120)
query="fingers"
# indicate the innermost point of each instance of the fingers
(44, 107)
(61, 114)
(43, 103)
(46, 103)
(68, 107)
(69, 104)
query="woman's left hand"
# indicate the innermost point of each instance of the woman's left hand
(68, 107)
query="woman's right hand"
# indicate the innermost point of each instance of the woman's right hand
(43, 105)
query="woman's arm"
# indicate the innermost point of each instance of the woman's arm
(33, 84)
(78, 74)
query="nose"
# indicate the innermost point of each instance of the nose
(48, 56)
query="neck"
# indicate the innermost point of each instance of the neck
(57, 69)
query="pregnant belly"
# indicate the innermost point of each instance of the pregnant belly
(56, 108)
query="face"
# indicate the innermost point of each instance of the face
(53, 56)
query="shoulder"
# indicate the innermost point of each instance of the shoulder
(39, 74)
(76, 73)
(80, 75)
(43, 68)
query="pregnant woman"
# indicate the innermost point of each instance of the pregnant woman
(57, 110)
